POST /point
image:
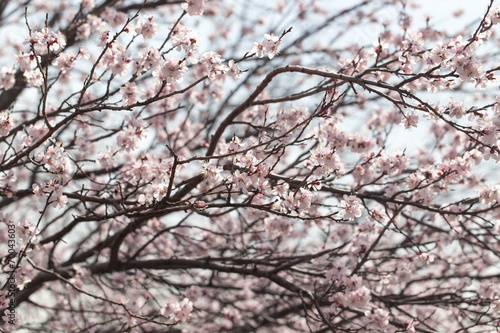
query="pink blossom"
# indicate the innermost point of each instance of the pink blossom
(6, 123)
(194, 7)
(27, 231)
(129, 138)
(489, 194)
(170, 70)
(56, 160)
(325, 161)
(116, 59)
(494, 15)
(234, 70)
(7, 80)
(270, 45)
(65, 61)
(213, 173)
(410, 120)
(114, 17)
(351, 207)
(41, 39)
(104, 36)
(147, 28)
(34, 77)
(213, 64)
(130, 93)
(88, 4)
(145, 60)
(377, 319)
(184, 38)
(178, 311)
(359, 298)
(258, 49)
(28, 61)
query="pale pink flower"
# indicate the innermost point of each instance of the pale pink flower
(34, 77)
(6, 123)
(56, 160)
(40, 39)
(104, 36)
(7, 80)
(456, 109)
(212, 62)
(27, 61)
(116, 59)
(489, 194)
(410, 120)
(234, 70)
(130, 93)
(303, 199)
(146, 59)
(377, 319)
(258, 49)
(170, 70)
(351, 207)
(494, 15)
(194, 7)
(325, 161)
(213, 173)
(359, 298)
(178, 311)
(129, 138)
(147, 28)
(26, 230)
(271, 45)
(114, 17)
(88, 4)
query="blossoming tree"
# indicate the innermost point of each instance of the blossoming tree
(247, 166)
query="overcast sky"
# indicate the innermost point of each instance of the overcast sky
(441, 10)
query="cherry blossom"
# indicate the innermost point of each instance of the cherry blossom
(194, 7)
(170, 70)
(343, 179)
(6, 123)
(146, 27)
(178, 311)
(270, 45)
(351, 207)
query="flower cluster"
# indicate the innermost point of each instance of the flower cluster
(45, 39)
(116, 59)
(377, 318)
(7, 78)
(269, 45)
(299, 202)
(6, 123)
(170, 70)
(489, 194)
(351, 207)
(128, 139)
(52, 190)
(56, 160)
(147, 28)
(212, 62)
(178, 311)
(354, 293)
(194, 7)
(26, 231)
(324, 161)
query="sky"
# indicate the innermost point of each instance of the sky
(441, 10)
